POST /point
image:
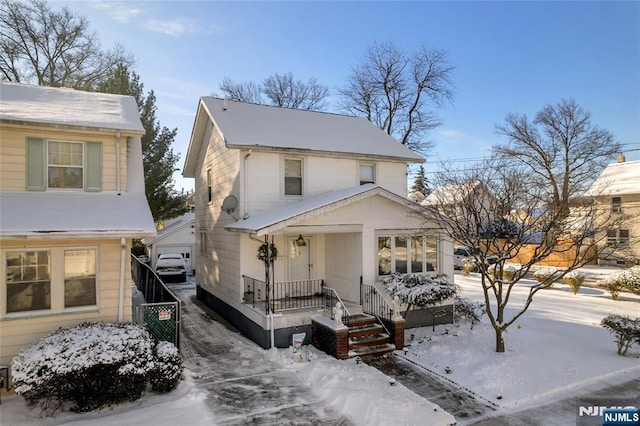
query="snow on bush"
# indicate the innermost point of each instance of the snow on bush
(466, 310)
(419, 289)
(629, 279)
(89, 366)
(544, 276)
(625, 329)
(168, 367)
(610, 284)
(574, 279)
(508, 272)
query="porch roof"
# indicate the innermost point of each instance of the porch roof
(276, 218)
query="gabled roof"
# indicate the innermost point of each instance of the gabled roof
(260, 127)
(285, 215)
(617, 179)
(25, 103)
(177, 224)
(451, 194)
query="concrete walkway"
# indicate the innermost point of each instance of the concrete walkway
(243, 387)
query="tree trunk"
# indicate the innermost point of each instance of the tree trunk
(499, 340)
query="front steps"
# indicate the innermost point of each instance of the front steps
(367, 338)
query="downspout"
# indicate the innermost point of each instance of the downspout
(245, 214)
(123, 254)
(118, 151)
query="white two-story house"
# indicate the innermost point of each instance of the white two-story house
(329, 191)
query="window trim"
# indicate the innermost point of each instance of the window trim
(409, 238)
(209, 180)
(82, 166)
(283, 177)
(373, 172)
(616, 204)
(57, 283)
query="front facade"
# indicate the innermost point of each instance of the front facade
(71, 200)
(328, 191)
(617, 190)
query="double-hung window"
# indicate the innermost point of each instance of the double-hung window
(57, 164)
(616, 204)
(28, 280)
(65, 164)
(292, 177)
(79, 278)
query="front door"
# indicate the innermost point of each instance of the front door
(299, 259)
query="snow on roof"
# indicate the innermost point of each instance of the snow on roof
(171, 226)
(246, 125)
(284, 215)
(47, 214)
(450, 194)
(68, 107)
(617, 179)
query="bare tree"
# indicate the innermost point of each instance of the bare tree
(512, 227)
(245, 91)
(52, 48)
(560, 150)
(397, 91)
(279, 90)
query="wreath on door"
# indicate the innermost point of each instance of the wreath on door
(273, 252)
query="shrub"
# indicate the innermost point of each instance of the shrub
(611, 285)
(629, 279)
(468, 266)
(625, 330)
(544, 276)
(167, 371)
(419, 289)
(574, 279)
(508, 272)
(466, 310)
(90, 366)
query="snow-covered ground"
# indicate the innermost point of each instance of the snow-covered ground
(559, 350)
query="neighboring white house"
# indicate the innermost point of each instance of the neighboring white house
(618, 188)
(177, 236)
(330, 192)
(71, 201)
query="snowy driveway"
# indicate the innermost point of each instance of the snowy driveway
(244, 387)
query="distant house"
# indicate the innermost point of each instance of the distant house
(71, 201)
(618, 189)
(329, 191)
(177, 236)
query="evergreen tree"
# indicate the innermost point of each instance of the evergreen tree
(421, 184)
(158, 158)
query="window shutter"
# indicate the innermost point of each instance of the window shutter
(36, 180)
(93, 167)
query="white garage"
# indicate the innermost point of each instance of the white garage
(178, 236)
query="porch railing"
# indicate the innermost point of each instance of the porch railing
(331, 297)
(285, 295)
(374, 304)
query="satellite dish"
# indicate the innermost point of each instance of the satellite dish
(229, 204)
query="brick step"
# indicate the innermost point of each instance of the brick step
(365, 330)
(368, 341)
(371, 352)
(360, 320)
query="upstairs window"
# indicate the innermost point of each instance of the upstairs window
(616, 204)
(65, 165)
(55, 164)
(367, 173)
(292, 177)
(209, 179)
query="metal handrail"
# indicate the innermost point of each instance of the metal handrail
(284, 295)
(330, 295)
(373, 303)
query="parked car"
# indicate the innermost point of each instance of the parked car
(171, 266)
(466, 254)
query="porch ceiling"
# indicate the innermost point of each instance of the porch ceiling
(292, 214)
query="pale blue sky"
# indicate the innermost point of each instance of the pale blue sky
(509, 56)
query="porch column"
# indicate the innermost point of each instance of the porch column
(369, 257)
